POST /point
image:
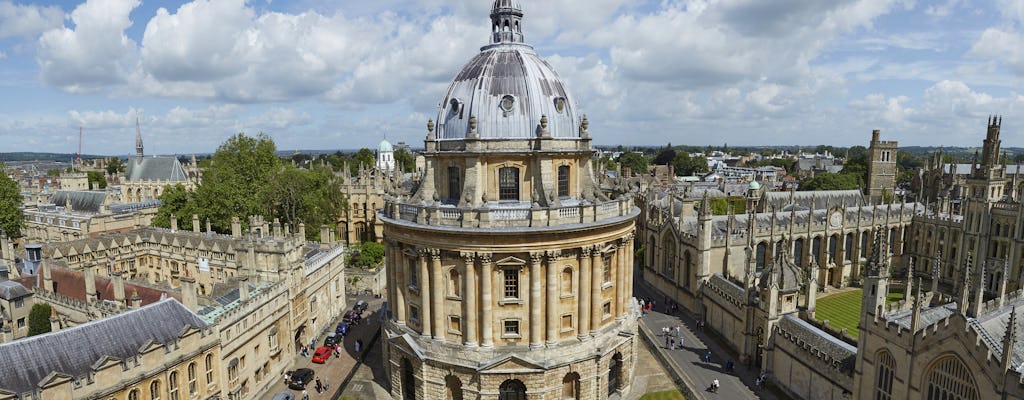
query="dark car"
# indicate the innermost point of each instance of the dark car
(332, 339)
(351, 317)
(360, 306)
(342, 329)
(300, 378)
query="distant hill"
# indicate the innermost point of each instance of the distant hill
(30, 156)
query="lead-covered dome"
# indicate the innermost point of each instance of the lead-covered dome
(507, 89)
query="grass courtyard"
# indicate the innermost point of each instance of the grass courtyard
(842, 310)
(665, 395)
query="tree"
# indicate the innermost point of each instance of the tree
(368, 255)
(363, 158)
(832, 181)
(310, 197)
(637, 162)
(11, 218)
(236, 183)
(665, 156)
(404, 161)
(115, 166)
(179, 202)
(97, 180)
(39, 319)
(686, 165)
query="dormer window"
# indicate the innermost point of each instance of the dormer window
(507, 102)
(456, 107)
(560, 104)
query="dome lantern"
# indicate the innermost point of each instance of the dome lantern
(506, 19)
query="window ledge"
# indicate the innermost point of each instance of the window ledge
(455, 298)
(566, 296)
(511, 336)
(507, 302)
(606, 285)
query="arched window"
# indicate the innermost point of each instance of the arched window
(508, 183)
(452, 388)
(567, 280)
(949, 379)
(454, 289)
(615, 374)
(759, 258)
(849, 247)
(651, 246)
(687, 268)
(172, 385)
(816, 251)
(209, 369)
(669, 263)
(798, 251)
(886, 367)
(133, 394)
(154, 390)
(192, 378)
(571, 386)
(512, 389)
(563, 181)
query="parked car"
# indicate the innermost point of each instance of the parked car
(284, 396)
(360, 306)
(322, 354)
(332, 339)
(342, 329)
(300, 378)
(351, 317)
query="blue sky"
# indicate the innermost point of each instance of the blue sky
(328, 74)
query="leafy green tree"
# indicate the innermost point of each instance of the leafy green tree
(39, 319)
(722, 205)
(11, 218)
(363, 158)
(367, 255)
(54, 172)
(115, 165)
(665, 156)
(832, 181)
(637, 162)
(686, 165)
(310, 197)
(179, 202)
(97, 180)
(405, 161)
(236, 183)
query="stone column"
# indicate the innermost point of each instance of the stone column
(398, 285)
(620, 279)
(629, 267)
(596, 280)
(469, 300)
(552, 297)
(437, 290)
(486, 279)
(425, 317)
(535, 301)
(583, 329)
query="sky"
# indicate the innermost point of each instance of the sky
(345, 74)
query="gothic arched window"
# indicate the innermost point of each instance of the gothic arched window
(885, 365)
(949, 379)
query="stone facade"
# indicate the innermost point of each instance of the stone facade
(509, 271)
(881, 167)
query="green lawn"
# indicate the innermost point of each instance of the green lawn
(841, 310)
(664, 395)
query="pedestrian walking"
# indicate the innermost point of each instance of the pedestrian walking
(319, 385)
(672, 343)
(359, 345)
(679, 331)
(642, 305)
(666, 342)
(680, 343)
(707, 356)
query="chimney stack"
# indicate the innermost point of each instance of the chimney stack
(277, 229)
(325, 236)
(90, 285)
(243, 289)
(236, 228)
(174, 223)
(302, 231)
(136, 300)
(118, 281)
(195, 223)
(209, 229)
(188, 293)
(54, 320)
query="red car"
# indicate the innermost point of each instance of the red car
(322, 354)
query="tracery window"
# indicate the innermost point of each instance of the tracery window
(886, 367)
(949, 379)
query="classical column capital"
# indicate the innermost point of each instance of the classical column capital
(468, 256)
(536, 256)
(485, 258)
(553, 255)
(585, 251)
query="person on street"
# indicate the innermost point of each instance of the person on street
(707, 356)
(714, 386)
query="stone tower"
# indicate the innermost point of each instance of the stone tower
(881, 167)
(509, 271)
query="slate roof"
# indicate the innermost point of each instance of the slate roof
(830, 346)
(817, 200)
(929, 315)
(166, 169)
(81, 200)
(11, 290)
(783, 272)
(720, 223)
(26, 362)
(991, 327)
(964, 169)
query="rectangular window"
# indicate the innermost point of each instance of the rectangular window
(511, 328)
(414, 279)
(455, 323)
(563, 181)
(567, 322)
(21, 323)
(508, 184)
(511, 284)
(607, 271)
(414, 314)
(454, 183)
(19, 303)
(606, 308)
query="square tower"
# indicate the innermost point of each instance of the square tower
(881, 166)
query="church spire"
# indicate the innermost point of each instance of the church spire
(138, 141)
(506, 22)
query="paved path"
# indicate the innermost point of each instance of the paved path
(687, 361)
(337, 370)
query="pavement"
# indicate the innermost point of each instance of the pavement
(337, 370)
(687, 362)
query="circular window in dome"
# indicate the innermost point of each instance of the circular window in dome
(507, 102)
(560, 104)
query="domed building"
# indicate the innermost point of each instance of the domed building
(510, 272)
(385, 156)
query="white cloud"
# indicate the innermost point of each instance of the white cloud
(28, 20)
(278, 119)
(96, 53)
